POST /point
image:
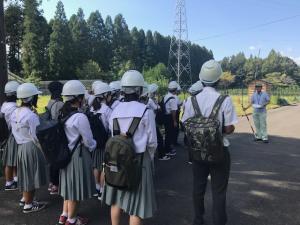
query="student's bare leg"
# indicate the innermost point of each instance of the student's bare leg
(115, 213)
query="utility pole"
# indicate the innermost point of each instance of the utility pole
(3, 62)
(179, 54)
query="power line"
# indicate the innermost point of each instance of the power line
(249, 28)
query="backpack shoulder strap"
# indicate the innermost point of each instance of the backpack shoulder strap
(217, 106)
(169, 100)
(134, 125)
(196, 106)
(116, 127)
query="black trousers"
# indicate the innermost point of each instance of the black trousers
(160, 143)
(176, 132)
(169, 132)
(54, 175)
(219, 181)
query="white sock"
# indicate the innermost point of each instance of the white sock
(101, 189)
(15, 179)
(28, 206)
(65, 214)
(72, 220)
(98, 187)
(8, 183)
(22, 199)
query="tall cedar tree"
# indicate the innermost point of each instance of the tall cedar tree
(35, 41)
(60, 51)
(14, 33)
(98, 39)
(79, 33)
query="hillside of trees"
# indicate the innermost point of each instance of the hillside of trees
(85, 48)
(275, 68)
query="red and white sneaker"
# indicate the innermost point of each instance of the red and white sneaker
(62, 220)
(79, 221)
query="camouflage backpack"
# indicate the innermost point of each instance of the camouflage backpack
(204, 135)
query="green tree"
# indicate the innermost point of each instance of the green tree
(14, 33)
(35, 40)
(60, 54)
(138, 48)
(150, 56)
(80, 37)
(89, 70)
(109, 27)
(97, 39)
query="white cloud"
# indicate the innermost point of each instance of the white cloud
(252, 48)
(296, 59)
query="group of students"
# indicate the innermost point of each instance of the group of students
(121, 101)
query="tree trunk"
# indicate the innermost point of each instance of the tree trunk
(3, 62)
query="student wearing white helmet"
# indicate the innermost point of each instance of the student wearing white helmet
(170, 122)
(116, 92)
(179, 104)
(77, 182)
(153, 104)
(31, 161)
(145, 94)
(100, 108)
(10, 154)
(138, 203)
(210, 74)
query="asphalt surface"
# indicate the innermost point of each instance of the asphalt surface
(264, 187)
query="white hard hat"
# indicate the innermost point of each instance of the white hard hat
(211, 72)
(101, 88)
(95, 83)
(73, 88)
(27, 90)
(145, 89)
(11, 87)
(115, 85)
(153, 88)
(178, 88)
(173, 85)
(196, 88)
(132, 78)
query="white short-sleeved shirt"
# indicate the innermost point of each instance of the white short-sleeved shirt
(171, 105)
(105, 112)
(24, 123)
(78, 124)
(7, 109)
(206, 100)
(145, 136)
(152, 105)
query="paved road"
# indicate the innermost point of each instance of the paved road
(264, 186)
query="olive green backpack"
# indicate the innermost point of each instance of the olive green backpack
(205, 138)
(123, 167)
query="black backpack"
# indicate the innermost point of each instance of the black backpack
(54, 142)
(4, 134)
(99, 132)
(123, 169)
(160, 115)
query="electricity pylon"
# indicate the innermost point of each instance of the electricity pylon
(179, 54)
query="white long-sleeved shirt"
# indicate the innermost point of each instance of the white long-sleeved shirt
(152, 105)
(115, 104)
(145, 136)
(78, 124)
(24, 123)
(7, 109)
(206, 100)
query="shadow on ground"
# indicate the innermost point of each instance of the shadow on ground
(264, 189)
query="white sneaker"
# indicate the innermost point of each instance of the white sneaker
(165, 158)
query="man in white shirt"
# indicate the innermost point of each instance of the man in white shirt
(170, 122)
(210, 74)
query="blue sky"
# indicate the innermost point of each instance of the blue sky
(224, 26)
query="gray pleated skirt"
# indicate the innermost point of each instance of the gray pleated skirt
(10, 154)
(76, 181)
(141, 202)
(32, 167)
(98, 159)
